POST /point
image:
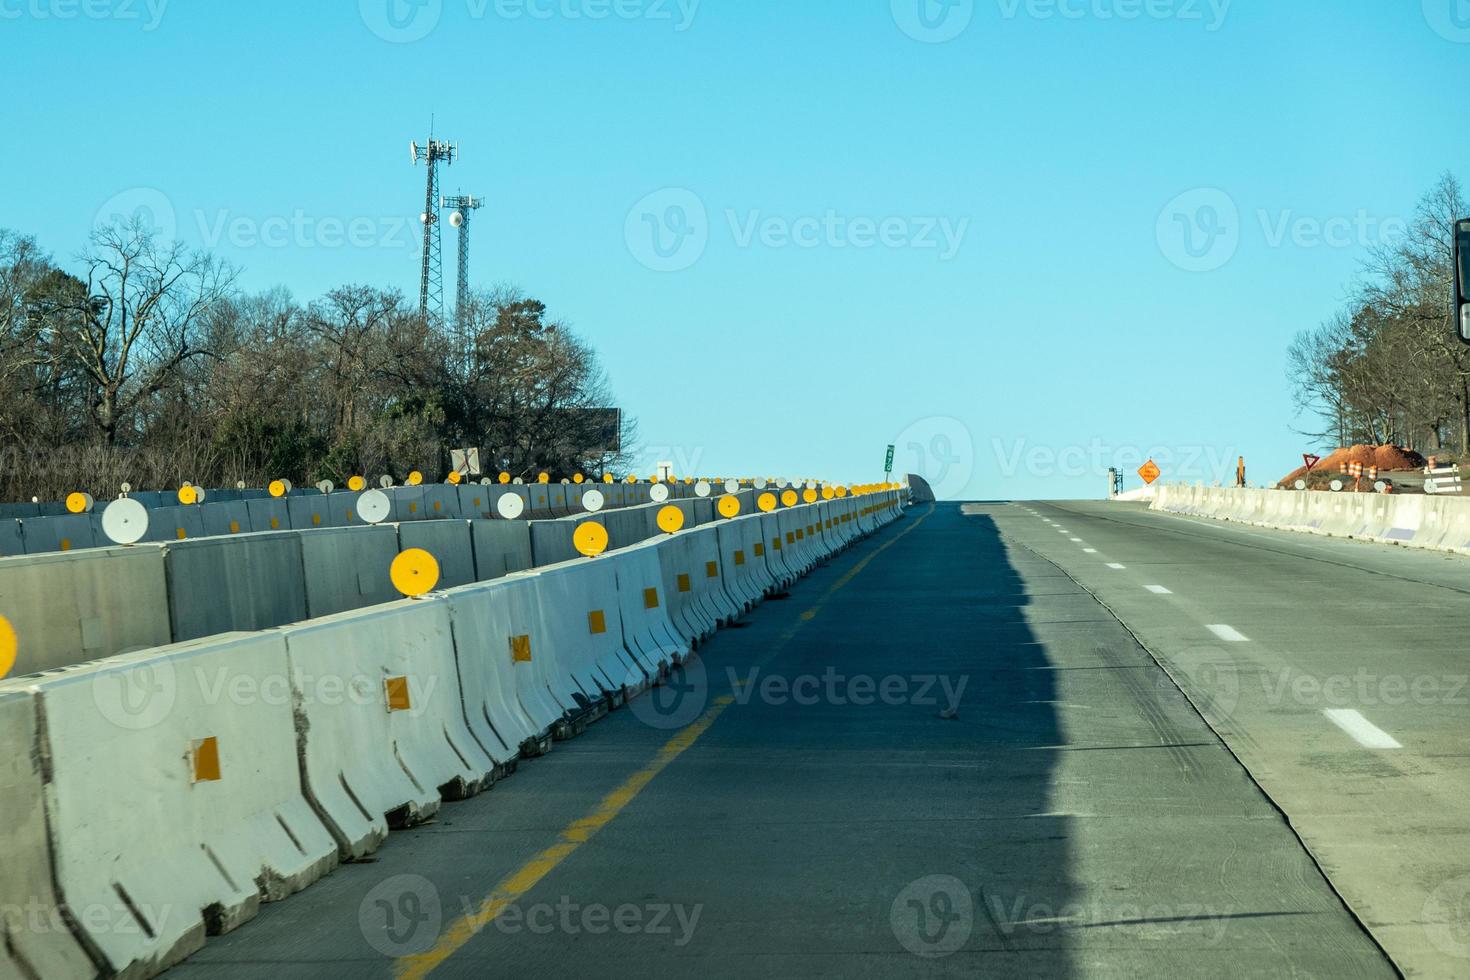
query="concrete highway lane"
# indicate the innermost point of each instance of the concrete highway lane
(1335, 670)
(940, 756)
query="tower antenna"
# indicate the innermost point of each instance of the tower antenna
(464, 205)
(431, 278)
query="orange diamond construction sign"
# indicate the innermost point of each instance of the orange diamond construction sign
(1150, 472)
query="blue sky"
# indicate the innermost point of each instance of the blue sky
(962, 232)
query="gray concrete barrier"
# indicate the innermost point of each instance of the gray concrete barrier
(449, 542)
(238, 583)
(71, 607)
(348, 568)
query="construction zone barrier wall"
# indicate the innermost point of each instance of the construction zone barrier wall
(203, 816)
(66, 608)
(34, 938)
(1435, 523)
(500, 548)
(347, 568)
(450, 544)
(239, 768)
(222, 585)
(383, 732)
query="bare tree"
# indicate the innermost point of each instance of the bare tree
(135, 319)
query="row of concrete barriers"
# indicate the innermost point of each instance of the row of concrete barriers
(71, 607)
(306, 510)
(151, 799)
(1436, 523)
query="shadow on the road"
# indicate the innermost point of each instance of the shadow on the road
(918, 822)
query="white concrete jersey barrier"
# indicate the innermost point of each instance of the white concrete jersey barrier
(1434, 523)
(544, 670)
(348, 568)
(746, 575)
(691, 561)
(580, 619)
(173, 796)
(649, 633)
(383, 736)
(774, 546)
(712, 588)
(450, 544)
(494, 628)
(34, 940)
(546, 691)
(71, 607)
(223, 585)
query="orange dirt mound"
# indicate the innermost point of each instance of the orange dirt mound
(1388, 459)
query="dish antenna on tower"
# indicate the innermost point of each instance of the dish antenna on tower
(464, 205)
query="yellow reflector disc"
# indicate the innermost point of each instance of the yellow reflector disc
(414, 572)
(670, 519)
(590, 539)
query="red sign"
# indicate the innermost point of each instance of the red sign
(1150, 472)
(1311, 460)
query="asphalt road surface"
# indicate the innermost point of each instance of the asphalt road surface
(964, 748)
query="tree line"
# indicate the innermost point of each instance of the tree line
(1388, 367)
(145, 363)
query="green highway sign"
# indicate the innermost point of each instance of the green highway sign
(888, 466)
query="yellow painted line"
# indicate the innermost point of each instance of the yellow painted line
(512, 888)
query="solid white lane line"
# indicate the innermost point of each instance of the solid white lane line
(1228, 633)
(1116, 566)
(1363, 731)
(1158, 590)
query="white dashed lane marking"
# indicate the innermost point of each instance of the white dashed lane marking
(1363, 731)
(1228, 633)
(1116, 567)
(1158, 590)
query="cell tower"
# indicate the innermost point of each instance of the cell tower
(431, 281)
(463, 206)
